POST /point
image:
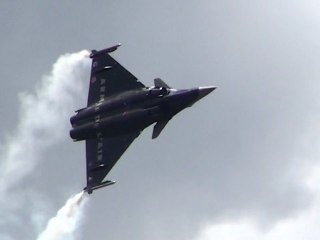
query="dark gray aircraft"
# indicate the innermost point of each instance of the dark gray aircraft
(119, 108)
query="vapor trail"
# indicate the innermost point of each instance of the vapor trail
(43, 118)
(67, 219)
(43, 121)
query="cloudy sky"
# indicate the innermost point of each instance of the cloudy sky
(242, 163)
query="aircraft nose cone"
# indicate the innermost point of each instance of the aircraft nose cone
(204, 91)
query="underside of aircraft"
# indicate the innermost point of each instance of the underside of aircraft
(119, 107)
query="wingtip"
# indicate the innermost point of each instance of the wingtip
(95, 53)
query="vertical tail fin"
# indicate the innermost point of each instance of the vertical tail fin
(158, 82)
(157, 129)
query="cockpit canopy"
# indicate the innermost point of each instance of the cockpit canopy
(158, 91)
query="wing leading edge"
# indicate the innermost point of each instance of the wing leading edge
(102, 155)
(108, 77)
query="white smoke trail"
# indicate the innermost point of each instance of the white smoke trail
(43, 122)
(43, 118)
(62, 226)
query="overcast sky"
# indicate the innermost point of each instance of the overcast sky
(241, 163)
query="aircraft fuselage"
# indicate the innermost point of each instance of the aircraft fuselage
(131, 111)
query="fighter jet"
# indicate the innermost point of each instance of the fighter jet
(119, 107)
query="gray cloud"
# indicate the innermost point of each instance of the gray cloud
(237, 153)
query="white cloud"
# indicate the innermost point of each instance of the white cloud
(302, 226)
